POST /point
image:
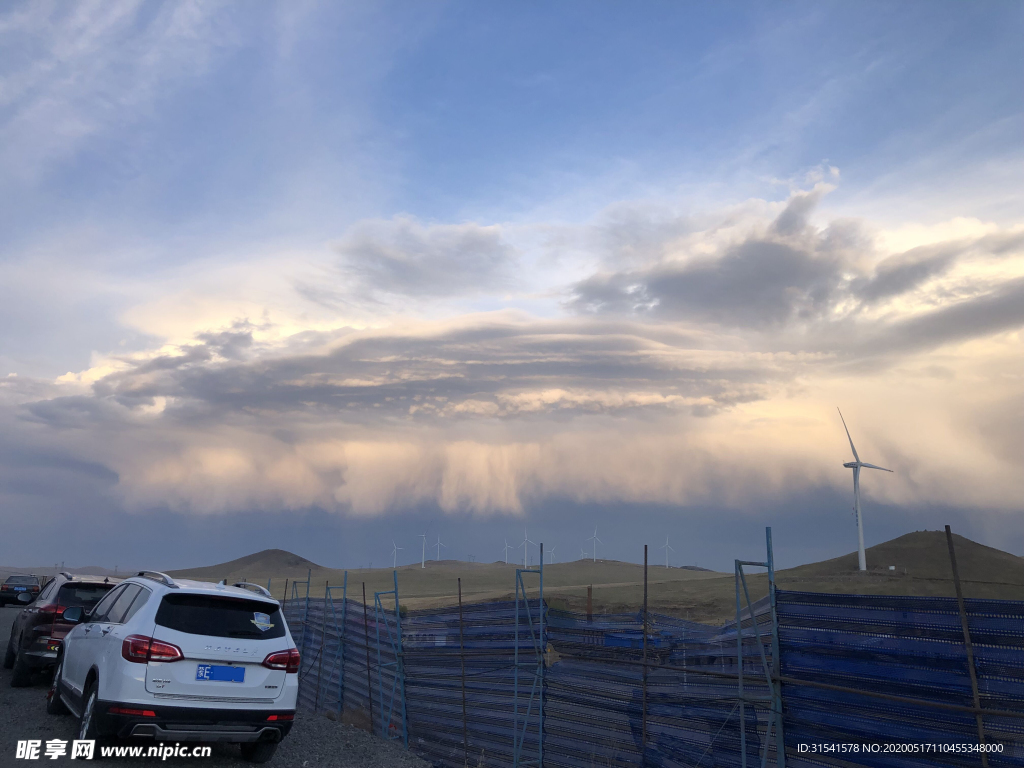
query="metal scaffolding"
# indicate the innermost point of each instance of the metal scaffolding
(531, 669)
(392, 705)
(338, 664)
(771, 676)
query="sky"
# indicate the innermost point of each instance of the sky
(329, 276)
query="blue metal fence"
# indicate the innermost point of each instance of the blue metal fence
(854, 670)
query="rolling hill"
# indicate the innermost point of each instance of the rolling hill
(921, 559)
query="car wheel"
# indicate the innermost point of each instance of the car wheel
(87, 722)
(259, 752)
(54, 704)
(21, 675)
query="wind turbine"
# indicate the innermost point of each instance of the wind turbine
(551, 555)
(526, 548)
(668, 548)
(394, 554)
(596, 542)
(856, 465)
(439, 545)
(423, 554)
(583, 554)
(507, 548)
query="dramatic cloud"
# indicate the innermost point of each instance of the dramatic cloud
(707, 372)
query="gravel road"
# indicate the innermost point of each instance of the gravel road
(313, 742)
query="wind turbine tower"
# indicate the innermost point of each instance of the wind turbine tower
(394, 554)
(596, 542)
(507, 548)
(423, 554)
(551, 555)
(668, 548)
(439, 545)
(526, 548)
(856, 465)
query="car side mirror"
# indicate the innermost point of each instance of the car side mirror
(73, 615)
(26, 597)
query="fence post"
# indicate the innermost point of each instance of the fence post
(341, 647)
(366, 636)
(967, 644)
(323, 640)
(643, 740)
(462, 657)
(739, 677)
(780, 741)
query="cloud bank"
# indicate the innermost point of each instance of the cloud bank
(690, 360)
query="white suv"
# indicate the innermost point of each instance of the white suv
(180, 661)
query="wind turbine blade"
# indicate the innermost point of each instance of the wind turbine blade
(848, 436)
(872, 466)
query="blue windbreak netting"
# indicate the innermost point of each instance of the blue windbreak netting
(593, 691)
(910, 647)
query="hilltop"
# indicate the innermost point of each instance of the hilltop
(270, 562)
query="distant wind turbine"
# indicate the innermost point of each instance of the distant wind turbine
(856, 465)
(526, 548)
(423, 554)
(668, 548)
(596, 542)
(439, 545)
(394, 554)
(551, 555)
(583, 554)
(507, 548)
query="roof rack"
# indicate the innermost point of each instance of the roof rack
(163, 578)
(248, 584)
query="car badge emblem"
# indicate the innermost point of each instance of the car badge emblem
(262, 621)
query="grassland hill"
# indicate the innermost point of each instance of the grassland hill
(921, 561)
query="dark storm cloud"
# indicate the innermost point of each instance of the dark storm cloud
(755, 284)
(997, 311)
(389, 375)
(906, 271)
(766, 280)
(403, 257)
(810, 291)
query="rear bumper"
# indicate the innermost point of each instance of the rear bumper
(194, 724)
(42, 653)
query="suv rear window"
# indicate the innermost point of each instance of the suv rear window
(23, 580)
(85, 595)
(220, 616)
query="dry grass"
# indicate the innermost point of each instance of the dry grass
(921, 560)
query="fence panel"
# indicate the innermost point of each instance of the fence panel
(910, 647)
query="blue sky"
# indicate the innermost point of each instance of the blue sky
(689, 229)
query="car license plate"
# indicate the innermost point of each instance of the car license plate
(21, 589)
(220, 673)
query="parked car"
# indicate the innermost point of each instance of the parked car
(38, 630)
(178, 660)
(16, 585)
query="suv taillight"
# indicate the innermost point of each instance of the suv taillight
(286, 660)
(53, 608)
(140, 649)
